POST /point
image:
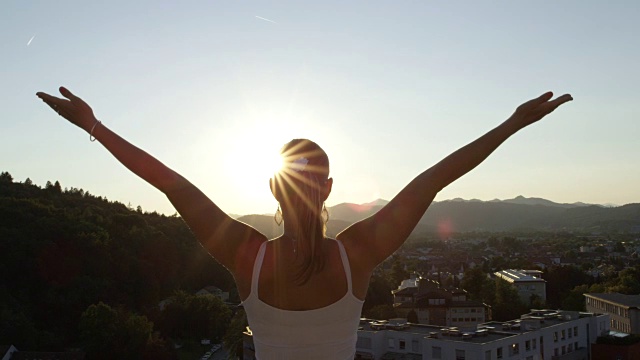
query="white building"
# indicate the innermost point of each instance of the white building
(541, 334)
(623, 309)
(526, 283)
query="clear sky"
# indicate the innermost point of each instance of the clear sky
(386, 88)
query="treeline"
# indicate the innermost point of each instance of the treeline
(66, 252)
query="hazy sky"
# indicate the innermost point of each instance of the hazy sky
(212, 88)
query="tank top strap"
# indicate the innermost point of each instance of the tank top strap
(257, 265)
(345, 265)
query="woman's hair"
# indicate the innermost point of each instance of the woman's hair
(303, 176)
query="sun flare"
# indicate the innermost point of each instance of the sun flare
(254, 158)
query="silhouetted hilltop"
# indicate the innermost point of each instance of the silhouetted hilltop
(539, 201)
(462, 215)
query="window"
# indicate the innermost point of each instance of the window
(534, 343)
(392, 344)
(563, 335)
(515, 349)
(487, 355)
(569, 333)
(575, 331)
(570, 348)
(527, 345)
(436, 352)
(564, 349)
(402, 345)
(555, 336)
(499, 353)
(460, 355)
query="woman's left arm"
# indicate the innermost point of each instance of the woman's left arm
(379, 235)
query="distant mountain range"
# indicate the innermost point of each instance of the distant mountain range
(459, 215)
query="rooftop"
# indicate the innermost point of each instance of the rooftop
(482, 333)
(620, 299)
(512, 276)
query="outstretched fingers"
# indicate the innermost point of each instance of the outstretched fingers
(562, 99)
(543, 98)
(66, 93)
(555, 103)
(55, 103)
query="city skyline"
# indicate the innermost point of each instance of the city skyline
(215, 89)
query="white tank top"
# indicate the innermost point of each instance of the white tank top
(330, 332)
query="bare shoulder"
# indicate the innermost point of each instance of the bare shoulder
(360, 267)
(359, 255)
(245, 258)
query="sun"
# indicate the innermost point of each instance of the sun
(252, 159)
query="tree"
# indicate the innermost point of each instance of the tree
(474, 281)
(398, 273)
(379, 292)
(137, 332)
(560, 280)
(233, 338)
(98, 330)
(382, 312)
(508, 304)
(574, 300)
(627, 282)
(5, 177)
(108, 333)
(195, 316)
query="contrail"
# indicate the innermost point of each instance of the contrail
(30, 40)
(261, 18)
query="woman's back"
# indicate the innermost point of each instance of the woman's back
(317, 320)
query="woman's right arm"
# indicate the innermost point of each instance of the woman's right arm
(225, 238)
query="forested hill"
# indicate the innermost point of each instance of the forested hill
(62, 250)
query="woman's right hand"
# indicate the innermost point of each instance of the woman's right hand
(72, 108)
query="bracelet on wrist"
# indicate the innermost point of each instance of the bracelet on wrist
(91, 137)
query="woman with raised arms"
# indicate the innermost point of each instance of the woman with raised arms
(303, 292)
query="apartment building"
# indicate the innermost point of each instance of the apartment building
(527, 283)
(436, 305)
(541, 334)
(623, 310)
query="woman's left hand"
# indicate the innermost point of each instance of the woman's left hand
(535, 109)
